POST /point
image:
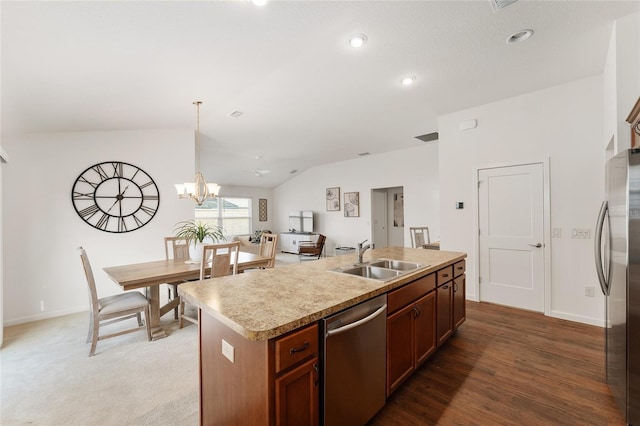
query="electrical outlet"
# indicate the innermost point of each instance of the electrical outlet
(556, 232)
(228, 351)
(590, 291)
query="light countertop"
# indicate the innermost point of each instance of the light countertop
(264, 304)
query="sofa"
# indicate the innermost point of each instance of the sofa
(246, 245)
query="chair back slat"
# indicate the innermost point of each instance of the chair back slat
(224, 260)
(268, 246)
(176, 248)
(419, 236)
(91, 283)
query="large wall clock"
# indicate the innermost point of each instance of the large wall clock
(115, 197)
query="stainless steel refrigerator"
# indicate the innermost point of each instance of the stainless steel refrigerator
(617, 254)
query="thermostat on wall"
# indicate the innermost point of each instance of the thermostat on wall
(459, 205)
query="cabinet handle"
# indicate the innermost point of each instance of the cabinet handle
(445, 287)
(445, 275)
(455, 287)
(300, 349)
(459, 268)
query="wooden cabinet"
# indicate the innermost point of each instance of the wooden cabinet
(297, 395)
(444, 304)
(410, 329)
(273, 382)
(459, 291)
(297, 383)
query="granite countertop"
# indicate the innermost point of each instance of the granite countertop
(264, 304)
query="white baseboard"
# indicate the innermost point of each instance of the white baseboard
(44, 315)
(599, 322)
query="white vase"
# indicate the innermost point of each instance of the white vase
(195, 251)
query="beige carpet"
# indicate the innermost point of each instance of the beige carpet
(47, 377)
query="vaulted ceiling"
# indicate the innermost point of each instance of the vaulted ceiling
(306, 97)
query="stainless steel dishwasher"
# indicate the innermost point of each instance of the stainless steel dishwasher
(354, 363)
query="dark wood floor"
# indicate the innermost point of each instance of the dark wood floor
(506, 366)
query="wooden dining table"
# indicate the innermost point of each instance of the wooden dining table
(149, 275)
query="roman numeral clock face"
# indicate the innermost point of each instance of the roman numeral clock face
(115, 197)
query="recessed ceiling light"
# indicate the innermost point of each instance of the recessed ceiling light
(356, 40)
(236, 114)
(258, 2)
(408, 80)
(294, 171)
(521, 35)
(362, 154)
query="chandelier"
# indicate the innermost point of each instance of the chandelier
(198, 191)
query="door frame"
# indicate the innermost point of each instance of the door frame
(546, 220)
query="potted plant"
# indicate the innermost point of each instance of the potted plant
(197, 232)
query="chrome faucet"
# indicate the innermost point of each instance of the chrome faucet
(361, 249)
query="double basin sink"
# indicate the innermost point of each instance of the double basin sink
(380, 269)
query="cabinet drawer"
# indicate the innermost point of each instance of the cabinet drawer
(459, 268)
(444, 275)
(296, 346)
(409, 293)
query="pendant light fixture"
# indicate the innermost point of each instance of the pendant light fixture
(198, 191)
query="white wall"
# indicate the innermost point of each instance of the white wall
(43, 275)
(414, 169)
(3, 159)
(627, 56)
(563, 124)
(621, 80)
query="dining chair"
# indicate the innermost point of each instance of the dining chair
(311, 249)
(175, 248)
(419, 236)
(268, 246)
(114, 308)
(218, 260)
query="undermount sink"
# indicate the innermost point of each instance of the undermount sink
(380, 269)
(374, 272)
(396, 265)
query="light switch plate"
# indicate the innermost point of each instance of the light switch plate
(228, 351)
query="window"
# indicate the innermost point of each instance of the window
(232, 214)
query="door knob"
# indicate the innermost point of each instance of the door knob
(538, 245)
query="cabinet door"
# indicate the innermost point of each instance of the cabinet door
(400, 362)
(297, 395)
(459, 311)
(444, 311)
(425, 328)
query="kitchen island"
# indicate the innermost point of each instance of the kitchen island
(259, 343)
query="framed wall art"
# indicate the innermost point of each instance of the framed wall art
(351, 204)
(262, 210)
(333, 199)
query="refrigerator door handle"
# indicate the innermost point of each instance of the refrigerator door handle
(604, 285)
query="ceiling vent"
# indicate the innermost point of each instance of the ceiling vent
(429, 137)
(501, 4)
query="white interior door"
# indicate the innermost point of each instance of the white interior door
(511, 227)
(379, 218)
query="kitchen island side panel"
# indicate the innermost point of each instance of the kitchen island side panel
(238, 392)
